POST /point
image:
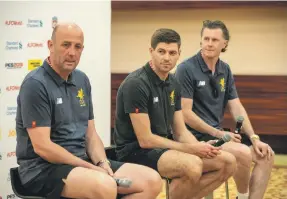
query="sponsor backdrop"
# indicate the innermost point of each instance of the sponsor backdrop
(25, 28)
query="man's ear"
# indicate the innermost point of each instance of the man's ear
(151, 50)
(50, 45)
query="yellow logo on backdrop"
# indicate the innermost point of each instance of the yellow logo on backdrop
(34, 63)
(12, 133)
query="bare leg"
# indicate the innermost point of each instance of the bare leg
(146, 182)
(243, 157)
(260, 175)
(218, 169)
(184, 170)
(85, 183)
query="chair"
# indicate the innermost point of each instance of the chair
(21, 192)
(18, 188)
(111, 154)
(210, 196)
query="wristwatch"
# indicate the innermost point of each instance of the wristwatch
(254, 137)
(103, 161)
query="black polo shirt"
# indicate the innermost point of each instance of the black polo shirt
(144, 92)
(47, 100)
(194, 77)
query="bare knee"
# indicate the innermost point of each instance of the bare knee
(90, 184)
(243, 155)
(265, 162)
(192, 168)
(107, 190)
(153, 183)
(229, 165)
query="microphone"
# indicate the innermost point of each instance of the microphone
(221, 141)
(123, 182)
(239, 122)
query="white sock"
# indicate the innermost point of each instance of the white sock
(242, 195)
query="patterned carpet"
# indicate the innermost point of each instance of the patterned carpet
(277, 188)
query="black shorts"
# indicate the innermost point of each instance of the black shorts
(146, 157)
(206, 137)
(51, 185)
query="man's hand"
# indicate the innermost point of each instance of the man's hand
(203, 150)
(107, 168)
(98, 168)
(234, 136)
(262, 149)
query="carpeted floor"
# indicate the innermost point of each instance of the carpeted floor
(277, 188)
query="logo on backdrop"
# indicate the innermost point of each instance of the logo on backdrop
(15, 65)
(11, 196)
(12, 133)
(8, 178)
(12, 88)
(13, 23)
(34, 63)
(35, 45)
(11, 110)
(13, 45)
(32, 23)
(54, 21)
(11, 154)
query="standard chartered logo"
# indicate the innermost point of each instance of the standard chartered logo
(32, 23)
(13, 45)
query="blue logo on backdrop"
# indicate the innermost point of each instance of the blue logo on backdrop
(11, 110)
(13, 45)
(32, 23)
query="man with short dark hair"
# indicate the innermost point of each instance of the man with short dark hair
(207, 87)
(149, 126)
(58, 148)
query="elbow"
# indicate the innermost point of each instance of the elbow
(145, 143)
(185, 115)
(41, 150)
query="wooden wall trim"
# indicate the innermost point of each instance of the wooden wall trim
(167, 5)
(264, 98)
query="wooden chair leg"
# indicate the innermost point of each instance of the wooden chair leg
(209, 196)
(167, 188)
(226, 190)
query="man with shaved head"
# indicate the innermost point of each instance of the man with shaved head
(58, 149)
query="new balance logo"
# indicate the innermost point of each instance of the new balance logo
(201, 83)
(155, 100)
(59, 101)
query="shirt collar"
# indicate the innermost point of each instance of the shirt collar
(57, 78)
(154, 77)
(218, 67)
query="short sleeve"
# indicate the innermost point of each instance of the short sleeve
(135, 96)
(232, 92)
(35, 105)
(185, 79)
(178, 98)
(91, 109)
